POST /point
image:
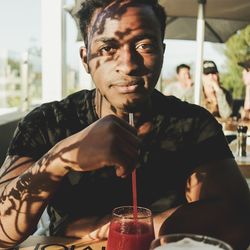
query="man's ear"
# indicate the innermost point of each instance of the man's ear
(83, 55)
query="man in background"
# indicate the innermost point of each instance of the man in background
(183, 87)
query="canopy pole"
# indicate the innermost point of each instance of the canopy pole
(199, 52)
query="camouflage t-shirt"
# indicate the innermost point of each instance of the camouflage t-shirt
(183, 137)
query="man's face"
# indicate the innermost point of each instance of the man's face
(184, 75)
(124, 54)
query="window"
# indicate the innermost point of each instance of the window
(20, 54)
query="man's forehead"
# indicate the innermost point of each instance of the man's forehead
(115, 12)
(118, 8)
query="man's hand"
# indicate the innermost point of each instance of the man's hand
(109, 142)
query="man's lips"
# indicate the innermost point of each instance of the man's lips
(127, 87)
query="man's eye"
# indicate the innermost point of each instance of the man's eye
(107, 50)
(145, 47)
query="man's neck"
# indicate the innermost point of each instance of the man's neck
(141, 115)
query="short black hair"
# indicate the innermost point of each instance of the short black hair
(88, 7)
(182, 66)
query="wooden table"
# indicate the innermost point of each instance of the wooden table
(56, 243)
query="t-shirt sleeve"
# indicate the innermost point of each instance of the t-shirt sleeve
(30, 138)
(52, 122)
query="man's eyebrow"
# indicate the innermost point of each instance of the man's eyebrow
(145, 36)
(106, 40)
(116, 41)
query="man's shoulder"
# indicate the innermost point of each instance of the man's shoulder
(173, 106)
(69, 102)
(51, 122)
(66, 108)
(80, 95)
(73, 100)
(186, 116)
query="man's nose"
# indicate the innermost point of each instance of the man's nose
(128, 61)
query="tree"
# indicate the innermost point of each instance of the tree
(237, 49)
(14, 65)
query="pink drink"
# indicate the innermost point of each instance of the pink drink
(130, 235)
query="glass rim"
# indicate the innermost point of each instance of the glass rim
(198, 236)
(130, 208)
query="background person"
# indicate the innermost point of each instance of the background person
(183, 87)
(75, 156)
(215, 98)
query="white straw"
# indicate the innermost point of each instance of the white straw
(131, 119)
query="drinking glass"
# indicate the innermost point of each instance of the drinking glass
(188, 241)
(128, 233)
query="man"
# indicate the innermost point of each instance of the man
(215, 98)
(76, 156)
(183, 87)
(245, 112)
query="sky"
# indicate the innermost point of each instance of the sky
(20, 28)
(19, 23)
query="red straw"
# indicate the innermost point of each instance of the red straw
(134, 189)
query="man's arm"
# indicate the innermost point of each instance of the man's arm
(25, 188)
(218, 205)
